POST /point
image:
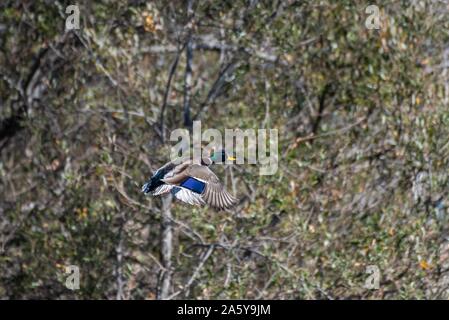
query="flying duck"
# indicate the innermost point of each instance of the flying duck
(192, 183)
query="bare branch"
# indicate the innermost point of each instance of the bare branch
(167, 91)
(188, 73)
(166, 248)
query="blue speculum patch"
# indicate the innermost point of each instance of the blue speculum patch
(194, 185)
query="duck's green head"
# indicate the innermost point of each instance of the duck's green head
(220, 156)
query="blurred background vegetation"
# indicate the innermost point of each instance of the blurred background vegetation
(363, 124)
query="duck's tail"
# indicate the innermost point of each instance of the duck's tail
(151, 185)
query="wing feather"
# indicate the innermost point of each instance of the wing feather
(165, 188)
(215, 193)
(188, 196)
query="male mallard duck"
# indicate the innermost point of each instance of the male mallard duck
(192, 183)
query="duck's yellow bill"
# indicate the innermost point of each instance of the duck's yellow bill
(231, 158)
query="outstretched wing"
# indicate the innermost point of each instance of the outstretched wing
(217, 196)
(214, 192)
